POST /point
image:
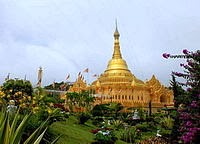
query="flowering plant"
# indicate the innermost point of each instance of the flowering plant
(188, 111)
(104, 135)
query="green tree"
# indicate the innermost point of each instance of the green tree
(72, 99)
(115, 108)
(100, 110)
(19, 90)
(11, 86)
(178, 99)
(58, 86)
(188, 112)
(178, 92)
(106, 109)
(86, 100)
(83, 99)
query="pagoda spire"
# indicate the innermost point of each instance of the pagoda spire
(116, 53)
(116, 33)
(117, 64)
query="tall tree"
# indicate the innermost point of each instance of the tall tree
(188, 111)
(178, 92)
(82, 100)
(16, 89)
(178, 99)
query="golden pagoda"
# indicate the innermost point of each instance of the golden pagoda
(118, 84)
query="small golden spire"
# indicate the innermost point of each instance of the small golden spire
(116, 53)
(116, 33)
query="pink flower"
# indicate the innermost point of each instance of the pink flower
(190, 63)
(177, 74)
(185, 51)
(185, 116)
(188, 123)
(194, 104)
(165, 55)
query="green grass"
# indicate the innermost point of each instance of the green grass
(73, 133)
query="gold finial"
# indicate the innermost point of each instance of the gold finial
(116, 33)
(116, 53)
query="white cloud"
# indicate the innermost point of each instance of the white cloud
(68, 36)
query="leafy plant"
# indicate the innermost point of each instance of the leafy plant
(104, 136)
(167, 122)
(188, 103)
(117, 124)
(16, 89)
(130, 134)
(82, 99)
(83, 117)
(12, 133)
(143, 126)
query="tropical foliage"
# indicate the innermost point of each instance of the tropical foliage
(18, 90)
(104, 136)
(130, 134)
(188, 110)
(80, 100)
(11, 132)
(13, 96)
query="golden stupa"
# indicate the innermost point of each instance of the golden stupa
(118, 84)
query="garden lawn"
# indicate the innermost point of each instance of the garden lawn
(73, 133)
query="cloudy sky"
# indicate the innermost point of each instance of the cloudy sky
(67, 36)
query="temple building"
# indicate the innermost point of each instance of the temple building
(118, 84)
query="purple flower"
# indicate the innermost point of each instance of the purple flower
(177, 74)
(188, 123)
(194, 129)
(196, 54)
(185, 116)
(189, 135)
(190, 63)
(185, 51)
(186, 138)
(194, 104)
(165, 55)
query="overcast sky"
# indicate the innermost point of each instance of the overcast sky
(67, 36)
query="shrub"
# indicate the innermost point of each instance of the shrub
(38, 118)
(104, 136)
(167, 122)
(130, 134)
(84, 117)
(11, 132)
(143, 127)
(97, 121)
(117, 124)
(187, 126)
